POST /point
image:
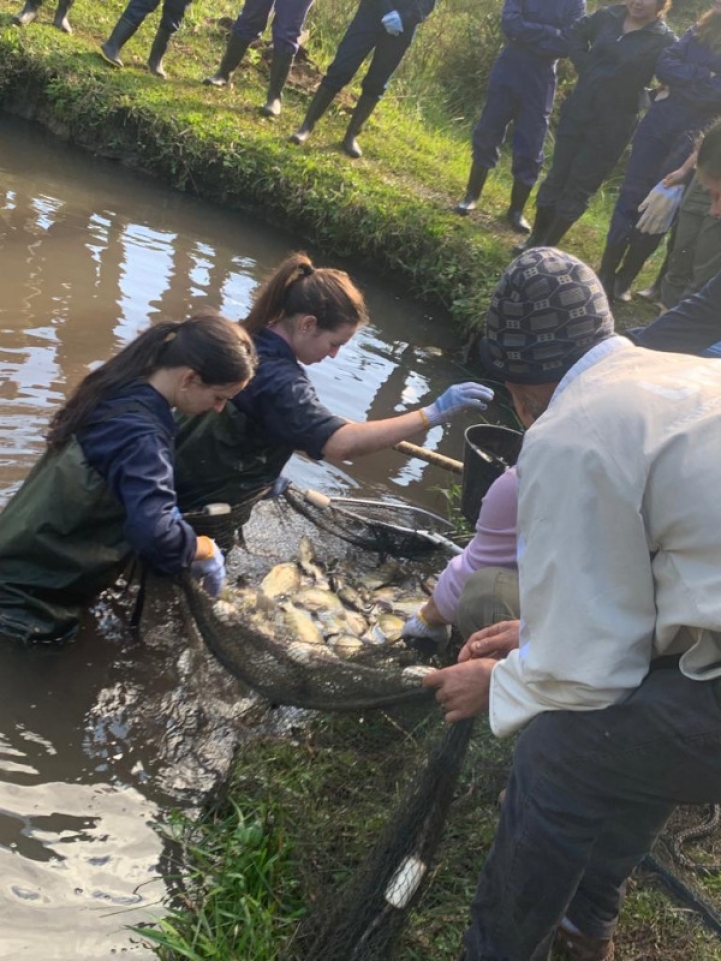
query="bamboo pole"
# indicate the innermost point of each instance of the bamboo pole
(430, 457)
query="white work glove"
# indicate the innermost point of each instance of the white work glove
(210, 571)
(455, 399)
(418, 627)
(659, 208)
(393, 23)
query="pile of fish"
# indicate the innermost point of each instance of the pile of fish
(354, 615)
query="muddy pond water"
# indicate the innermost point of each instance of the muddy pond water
(94, 738)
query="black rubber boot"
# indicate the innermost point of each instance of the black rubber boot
(612, 257)
(519, 195)
(279, 70)
(322, 99)
(122, 32)
(60, 20)
(234, 53)
(544, 218)
(640, 248)
(558, 230)
(157, 52)
(363, 109)
(28, 13)
(474, 189)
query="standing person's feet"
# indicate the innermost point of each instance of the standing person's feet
(28, 13)
(575, 946)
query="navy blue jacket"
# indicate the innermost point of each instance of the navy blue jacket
(690, 328)
(692, 72)
(129, 441)
(541, 27)
(613, 68)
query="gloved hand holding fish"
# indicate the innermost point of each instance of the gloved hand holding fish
(209, 569)
(456, 399)
(418, 628)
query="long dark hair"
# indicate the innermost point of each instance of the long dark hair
(297, 287)
(214, 347)
(708, 30)
(709, 153)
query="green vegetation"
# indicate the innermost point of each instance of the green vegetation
(390, 209)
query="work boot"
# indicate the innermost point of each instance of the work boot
(122, 32)
(234, 53)
(322, 99)
(575, 946)
(363, 109)
(60, 20)
(640, 248)
(474, 189)
(558, 230)
(157, 52)
(28, 13)
(519, 196)
(612, 257)
(544, 218)
(279, 70)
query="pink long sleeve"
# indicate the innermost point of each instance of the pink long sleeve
(494, 543)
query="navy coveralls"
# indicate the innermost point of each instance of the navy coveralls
(600, 115)
(522, 84)
(666, 136)
(172, 16)
(366, 33)
(288, 19)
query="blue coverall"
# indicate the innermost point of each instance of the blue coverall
(666, 136)
(171, 18)
(366, 33)
(522, 84)
(288, 19)
(600, 115)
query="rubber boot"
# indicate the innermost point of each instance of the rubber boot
(322, 99)
(122, 32)
(234, 53)
(363, 109)
(640, 248)
(519, 195)
(474, 189)
(157, 52)
(544, 218)
(612, 257)
(558, 230)
(60, 20)
(28, 13)
(279, 70)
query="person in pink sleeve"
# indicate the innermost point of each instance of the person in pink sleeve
(478, 590)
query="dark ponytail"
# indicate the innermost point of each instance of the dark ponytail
(214, 347)
(297, 287)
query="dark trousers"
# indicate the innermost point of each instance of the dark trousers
(695, 249)
(663, 141)
(288, 19)
(366, 33)
(588, 794)
(172, 16)
(521, 89)
(587, 150)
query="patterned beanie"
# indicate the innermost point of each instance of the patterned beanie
(547, 311)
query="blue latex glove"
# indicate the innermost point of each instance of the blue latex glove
(393, 23)
(210, 571)
(280, 486)
(418, 627)
(176, 513)
(659, 208)
(455, 399)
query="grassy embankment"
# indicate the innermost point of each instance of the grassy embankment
(293, 804)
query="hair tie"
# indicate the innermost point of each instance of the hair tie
(306, 270)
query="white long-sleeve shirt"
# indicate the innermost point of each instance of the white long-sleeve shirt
(619, 533)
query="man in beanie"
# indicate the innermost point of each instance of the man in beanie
(616, 682)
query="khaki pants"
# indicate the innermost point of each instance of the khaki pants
(490, 595)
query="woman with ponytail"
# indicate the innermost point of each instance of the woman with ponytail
(104, 491)
(300, 316)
